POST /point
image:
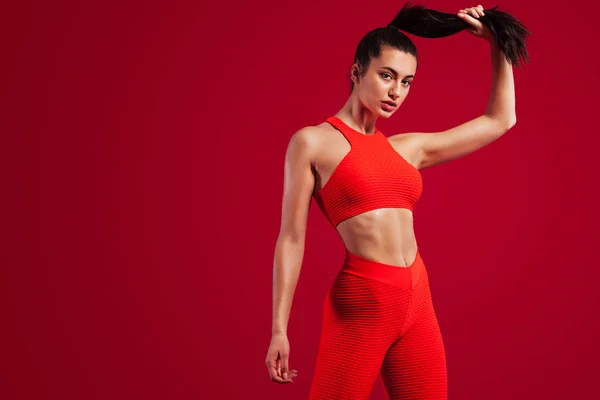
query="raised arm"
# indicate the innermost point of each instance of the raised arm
(289, 250)
(499, 116)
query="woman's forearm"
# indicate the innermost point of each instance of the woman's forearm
(501, 104)
(286, 271)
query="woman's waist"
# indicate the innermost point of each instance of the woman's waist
(401, 255)
(405, 274)
(396, 246)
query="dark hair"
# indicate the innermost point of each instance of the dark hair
(509, 34)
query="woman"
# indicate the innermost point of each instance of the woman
(378, 317)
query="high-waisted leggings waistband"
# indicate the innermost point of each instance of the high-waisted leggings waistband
(404, 277)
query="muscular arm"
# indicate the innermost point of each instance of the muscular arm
(435, 148)
(289, 251)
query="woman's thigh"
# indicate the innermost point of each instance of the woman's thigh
(415, 365)
(362, 317)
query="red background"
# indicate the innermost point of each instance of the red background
(142, 183)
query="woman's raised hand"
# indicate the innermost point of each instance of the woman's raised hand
(471, 16)
(278, 357)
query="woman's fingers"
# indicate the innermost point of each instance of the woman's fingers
(284, 365)
(291, 375)
(473, 11)
(476, 11)
(471, 20)
(275, 377)
(471, 15)
(278, 359)
(274, 367)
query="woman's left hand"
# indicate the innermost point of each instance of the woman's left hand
(471, 15)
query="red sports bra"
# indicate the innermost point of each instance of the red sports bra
(371, 175)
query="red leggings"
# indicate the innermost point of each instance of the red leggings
(379, 319)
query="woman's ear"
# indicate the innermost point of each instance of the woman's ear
(354, 73)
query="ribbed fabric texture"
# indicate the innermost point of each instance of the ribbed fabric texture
(379, 319)
(372, 175)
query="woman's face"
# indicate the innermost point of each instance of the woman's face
(387, 79)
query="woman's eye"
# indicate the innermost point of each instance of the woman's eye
(407, 82)
(386, 75)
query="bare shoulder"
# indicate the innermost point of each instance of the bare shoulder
(304, 141)
(310, 139)
(307, 133)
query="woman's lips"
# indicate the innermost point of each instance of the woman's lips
(387, 106)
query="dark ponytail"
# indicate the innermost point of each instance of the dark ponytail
(509, 34)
